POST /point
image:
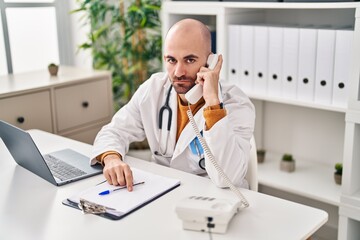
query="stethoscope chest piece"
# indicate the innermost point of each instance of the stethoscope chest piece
(197, 149)
(202, 163)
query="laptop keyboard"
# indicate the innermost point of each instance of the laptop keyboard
(61, 169)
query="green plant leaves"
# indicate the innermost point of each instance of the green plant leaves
(127, 42)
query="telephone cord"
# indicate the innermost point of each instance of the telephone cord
(208, 153)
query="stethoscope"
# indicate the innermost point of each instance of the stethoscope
(167, 108)
(194, 145)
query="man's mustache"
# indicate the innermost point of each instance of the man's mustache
(184, 78)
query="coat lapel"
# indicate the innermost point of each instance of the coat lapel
(188, 134)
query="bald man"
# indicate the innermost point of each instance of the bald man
(157, 111)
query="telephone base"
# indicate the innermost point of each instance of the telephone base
(202, 227)
(197, 212)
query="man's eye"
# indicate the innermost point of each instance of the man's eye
(171, 60)
(190, 60)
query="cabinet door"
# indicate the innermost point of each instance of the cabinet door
(28, 111)
(86, 135)
(82, 104)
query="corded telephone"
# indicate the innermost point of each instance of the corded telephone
(200, 213)
(195, 93)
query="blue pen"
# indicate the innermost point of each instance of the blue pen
(106, 192)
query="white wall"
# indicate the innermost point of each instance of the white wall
(79, 32)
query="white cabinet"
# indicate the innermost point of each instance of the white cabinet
(32, 110)
(76, 103)
(317, 134)
(81, 104)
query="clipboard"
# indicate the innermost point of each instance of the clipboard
(119, 204)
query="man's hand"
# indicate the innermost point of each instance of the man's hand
(117, 172)
(210, 79)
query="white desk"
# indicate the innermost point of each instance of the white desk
(31, 208)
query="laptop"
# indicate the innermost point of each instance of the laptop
(59, 168)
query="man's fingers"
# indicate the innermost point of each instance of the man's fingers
(120, 176)
(218, 65)
(199, 78)
(129, 178)
(113, 177)
(119, 173)
(107, 177)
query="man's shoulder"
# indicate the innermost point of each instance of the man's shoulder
(230, 90)
(154, 83)
(152, 86)
(157, 79)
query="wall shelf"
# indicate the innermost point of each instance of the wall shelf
(310, 179)
(296, 103)
(351, 200)
(318, 134)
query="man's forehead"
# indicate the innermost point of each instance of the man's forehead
(188, 56)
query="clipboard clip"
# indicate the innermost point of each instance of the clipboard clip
(88, 207)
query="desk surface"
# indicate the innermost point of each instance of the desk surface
(31, 208)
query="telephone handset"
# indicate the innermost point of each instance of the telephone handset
(195, 93)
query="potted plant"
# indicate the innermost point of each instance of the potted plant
(53, 69)
(287, 163)
(260, 155)
(338, 173)
(125, 38)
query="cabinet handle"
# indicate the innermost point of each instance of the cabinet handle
(20, 120)
(85, 104)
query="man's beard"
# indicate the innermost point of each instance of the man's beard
(183, 84)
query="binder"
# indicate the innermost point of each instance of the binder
(324, 66)
(121, 203)
(275, 61)
(306, 64)
(234, 54)
(246, 48)
(342, 65)
(290, 59)
(261, 36)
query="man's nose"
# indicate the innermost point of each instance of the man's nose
(180, 70)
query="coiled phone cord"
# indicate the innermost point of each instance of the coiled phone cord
(208, 153)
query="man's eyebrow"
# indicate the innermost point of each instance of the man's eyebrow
(169, 56)
(191, 56)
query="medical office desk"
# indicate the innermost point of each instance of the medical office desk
(31, 208)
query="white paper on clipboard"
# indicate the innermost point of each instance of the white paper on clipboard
(123, 201)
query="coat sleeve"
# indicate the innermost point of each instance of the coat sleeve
(229, 139)
(125, 127)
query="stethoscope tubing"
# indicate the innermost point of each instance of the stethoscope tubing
(166, 107)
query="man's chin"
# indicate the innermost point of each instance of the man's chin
(181, 88)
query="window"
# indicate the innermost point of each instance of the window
(3, 67)
(33, 34)
(30, 1)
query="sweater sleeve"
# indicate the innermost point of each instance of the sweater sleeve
(212, 115)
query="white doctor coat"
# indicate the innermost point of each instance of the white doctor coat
(228, 139)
